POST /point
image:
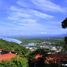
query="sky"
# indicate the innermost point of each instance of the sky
(32, 17)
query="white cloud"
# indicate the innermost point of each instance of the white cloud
(40, 14)
(29, 20)
(48, 5)
(45, 5)
(28, 17)
(29, 13)
(32, 17)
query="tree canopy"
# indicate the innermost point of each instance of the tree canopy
(64, 23)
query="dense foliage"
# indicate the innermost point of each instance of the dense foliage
(13, 46)
(15, 62)
(22, 53)
(20, 60)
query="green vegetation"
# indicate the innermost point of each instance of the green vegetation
(26, 41)
(22, 53)
(16, 62)
(57, 42)
(20, 60)
(20, 50)
(54, 42)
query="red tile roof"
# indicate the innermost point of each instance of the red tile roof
(6, 57)
(38, 56)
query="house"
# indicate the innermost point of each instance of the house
(6, 55)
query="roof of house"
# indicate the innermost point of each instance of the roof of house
(38, 56)
(6, 57)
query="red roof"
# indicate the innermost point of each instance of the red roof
(38, 56)
(55, 58)
(6, 57)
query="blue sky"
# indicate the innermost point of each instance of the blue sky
(32, 17)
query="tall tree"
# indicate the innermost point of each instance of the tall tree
(64, 25)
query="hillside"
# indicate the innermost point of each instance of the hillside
(19, 60)
(22, 54)
(13, 46)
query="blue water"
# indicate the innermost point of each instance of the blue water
(11, 40)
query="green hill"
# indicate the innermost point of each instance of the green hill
(13, 46)
(20, 59)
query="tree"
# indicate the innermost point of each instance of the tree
(64, 25)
